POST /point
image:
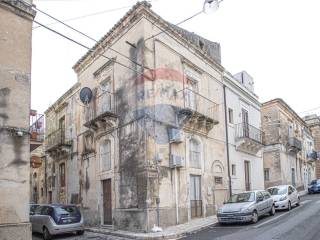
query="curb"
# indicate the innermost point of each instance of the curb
(144, 236)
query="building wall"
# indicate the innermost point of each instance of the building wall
(238, 98)
(285, 166)
(15, 68)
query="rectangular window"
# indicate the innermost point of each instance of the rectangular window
(62, 170)
(233, 169)
(230, 114)
(267, 174)
(218, 180)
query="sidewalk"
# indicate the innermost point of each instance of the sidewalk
(173, 232)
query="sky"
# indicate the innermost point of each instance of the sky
(276, 41)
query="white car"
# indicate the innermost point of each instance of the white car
(284, 196)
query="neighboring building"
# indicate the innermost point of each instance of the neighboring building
(37, 159)
(150, 145)
(313, 122)
(38, 193)
(288, 145)
(16, 19)
(62, 162)
(244, 131)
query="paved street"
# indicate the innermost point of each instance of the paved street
(300, 223)
(87, 235)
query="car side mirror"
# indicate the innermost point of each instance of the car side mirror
(259, 199)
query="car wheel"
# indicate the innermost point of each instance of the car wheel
(81, 232)
(46, 234)
(298, 202)
(272, 211)
(289, 206)
(255, 217)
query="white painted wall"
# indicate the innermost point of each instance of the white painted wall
(238, 97)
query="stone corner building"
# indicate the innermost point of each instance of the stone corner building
(150, 145)
(16, 19)
(313, 122)
(289, 146)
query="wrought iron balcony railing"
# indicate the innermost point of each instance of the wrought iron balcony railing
(57, 139)
(102, 107)
(294, 143)
(245, 130)
(194, 102)
(36, 127)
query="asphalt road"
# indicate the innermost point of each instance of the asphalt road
(301, 223)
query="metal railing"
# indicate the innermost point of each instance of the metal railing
(57, 138)
(101, 104)
(245, 130)
(194, 101)
(36, 126)
(294, 142)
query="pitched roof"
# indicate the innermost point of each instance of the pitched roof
(207, 48)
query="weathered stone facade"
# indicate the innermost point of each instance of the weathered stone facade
(288, 144)
(15, 67)
(150, 145)
(313, 121)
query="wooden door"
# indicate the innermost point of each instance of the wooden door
(247, 175)
(107, 202)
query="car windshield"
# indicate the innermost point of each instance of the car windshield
(242, 197)
(67, 210)
(278, 190)
(313, 182)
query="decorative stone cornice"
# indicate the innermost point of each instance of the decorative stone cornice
(19, 7)
(139, 11)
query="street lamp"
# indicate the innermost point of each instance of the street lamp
(210, 6)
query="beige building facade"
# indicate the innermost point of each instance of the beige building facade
(15, 68)
(149, 148)
(289, 145)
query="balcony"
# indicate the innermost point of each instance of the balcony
(36, 130)
(196, 112)
(294, 144)
(101, 112)
(312, 156)
(57, 142)
(248, 138)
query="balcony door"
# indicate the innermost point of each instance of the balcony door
(245, 122)
(105, 98)
(62, 127)
(247, 176)
(191, 94)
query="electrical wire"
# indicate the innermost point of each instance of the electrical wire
(85, 16)
(84, 46)
(83, 34)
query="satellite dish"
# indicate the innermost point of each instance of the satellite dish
(86, 95)
(210, 6)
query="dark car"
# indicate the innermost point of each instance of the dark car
(56, 219)
(314, 186)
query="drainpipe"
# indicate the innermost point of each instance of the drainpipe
(175, 187)
(227, 138)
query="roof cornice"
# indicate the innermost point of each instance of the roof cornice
(284, 105)
(138, 11)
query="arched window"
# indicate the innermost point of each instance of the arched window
(105, 155)
(195, 154)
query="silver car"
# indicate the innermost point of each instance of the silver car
(284, 196)
(246, 207)
(56, 219)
